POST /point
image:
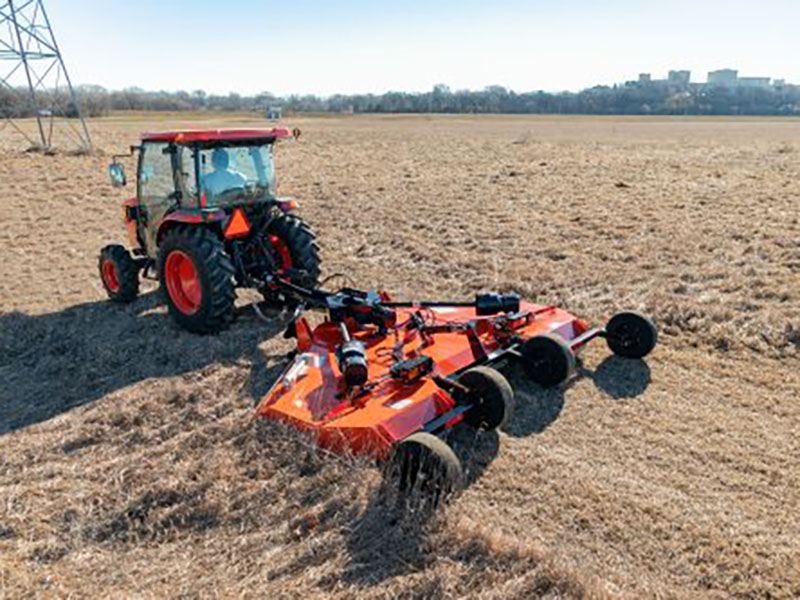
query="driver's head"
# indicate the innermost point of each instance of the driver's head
(220, 159)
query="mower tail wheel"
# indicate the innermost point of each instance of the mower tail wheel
(547, 359)
(423, 471)
(119, 273)
(196, 277)
(491, 397)
(631, 335)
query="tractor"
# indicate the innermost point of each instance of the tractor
(205, 221)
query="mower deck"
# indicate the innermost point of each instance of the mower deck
(389, 406)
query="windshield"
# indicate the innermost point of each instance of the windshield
(224, 170)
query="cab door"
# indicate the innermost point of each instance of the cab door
(156, 189)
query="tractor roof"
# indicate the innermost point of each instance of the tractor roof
(214, 135)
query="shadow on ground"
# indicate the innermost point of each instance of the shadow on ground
(54, 362)
(537, 408)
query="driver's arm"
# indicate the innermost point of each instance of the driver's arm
(238, 180)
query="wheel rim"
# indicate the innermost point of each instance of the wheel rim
(110, 276)
(183, 282)
(280, 253)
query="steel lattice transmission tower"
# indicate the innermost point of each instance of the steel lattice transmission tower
(33, 79)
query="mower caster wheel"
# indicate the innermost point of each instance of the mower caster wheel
(119, 273)
(423, 470)
(490, 396)
(631, 335)
(547, 359)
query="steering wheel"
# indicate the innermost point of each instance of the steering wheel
(229, 194)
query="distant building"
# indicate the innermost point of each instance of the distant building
(723, 77)
(679, 78)
(274, 113)
(674, 78)
(754, 82)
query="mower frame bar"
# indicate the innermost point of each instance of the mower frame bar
(439, 422)
(586, 337)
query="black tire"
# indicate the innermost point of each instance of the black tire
(547, 359)
(301, 243)
(491, 397)
(423, 470)
(631, 335)
(215, 271)
(119, 273)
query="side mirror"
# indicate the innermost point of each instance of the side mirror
(116, 172)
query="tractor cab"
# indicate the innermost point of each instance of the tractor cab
(210, 169)
(186, 175)
(199, 190)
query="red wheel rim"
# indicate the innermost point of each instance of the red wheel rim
(110, 276)
(281, 253)
(183, 282)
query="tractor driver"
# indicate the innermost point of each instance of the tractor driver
(222, 178)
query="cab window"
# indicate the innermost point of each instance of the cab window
(155, 174)
(187, 173)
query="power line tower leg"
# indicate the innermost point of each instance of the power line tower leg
(27, 41)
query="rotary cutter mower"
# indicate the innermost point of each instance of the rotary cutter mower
(388, 379)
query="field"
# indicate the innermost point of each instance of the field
(130, 465)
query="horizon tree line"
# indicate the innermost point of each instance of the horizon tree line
(626, 99)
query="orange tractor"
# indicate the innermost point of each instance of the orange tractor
(205, 220)
(388, 379)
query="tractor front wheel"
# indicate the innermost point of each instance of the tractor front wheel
(119, 273)
(196, 277)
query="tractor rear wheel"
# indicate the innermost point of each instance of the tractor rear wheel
(196, 277)
(294, 253)
(547, 359)
(491, 397)
(119, 273)
(423, 470)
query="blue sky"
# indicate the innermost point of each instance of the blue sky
(310, 46)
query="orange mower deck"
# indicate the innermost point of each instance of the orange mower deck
(389, 379)
(311, 394)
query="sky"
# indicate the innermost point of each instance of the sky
(356, 46)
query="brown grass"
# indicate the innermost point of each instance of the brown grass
(130, 466)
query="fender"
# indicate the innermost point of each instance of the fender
(287, 205)
(189, 216)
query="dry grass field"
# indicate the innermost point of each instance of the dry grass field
(130, 464)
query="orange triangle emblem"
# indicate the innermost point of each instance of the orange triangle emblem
(238, 225)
